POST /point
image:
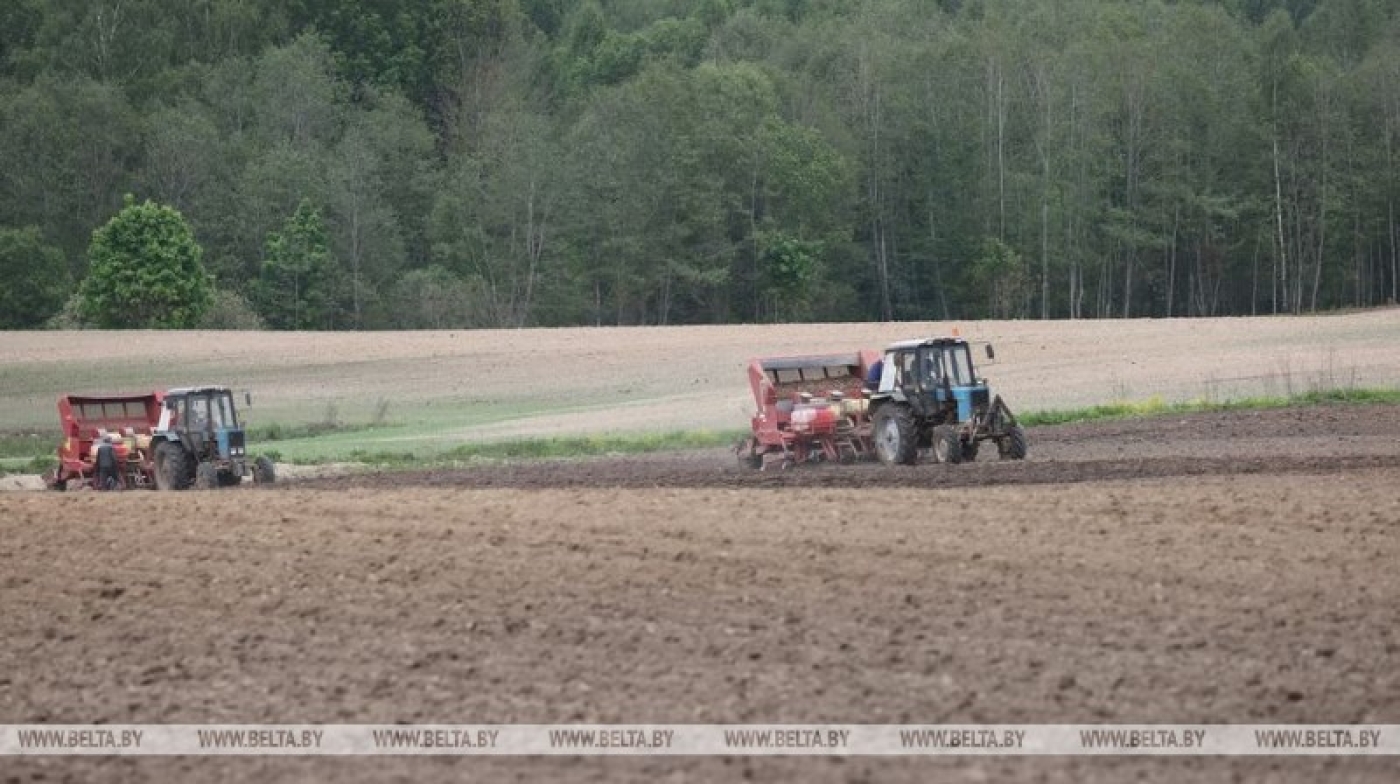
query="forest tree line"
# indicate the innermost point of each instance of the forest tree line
(370, 164)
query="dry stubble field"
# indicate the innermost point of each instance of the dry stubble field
(545, 382)
(1209, 568)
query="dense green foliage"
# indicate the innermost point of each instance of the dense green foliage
(35, 278)
(546, 162)
(145, 272)
(299, 281)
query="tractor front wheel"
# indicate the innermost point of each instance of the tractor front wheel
(896, 437)
(1014, 446)
(172, 467)
(263, 471)
(947, 447)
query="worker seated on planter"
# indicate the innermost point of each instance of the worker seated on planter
(105, 461)
(872, 378)
(782, 404)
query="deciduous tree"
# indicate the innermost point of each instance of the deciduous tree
(301, 285)
(145, 271)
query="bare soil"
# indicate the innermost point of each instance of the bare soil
(1208, 568)
(1273, 441)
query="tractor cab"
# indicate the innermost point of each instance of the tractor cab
(205, 421)
(936, 377)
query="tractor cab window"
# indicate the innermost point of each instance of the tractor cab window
(907, 374)
(933, 373)
(198, 418)
(221, 408)
(174, 414)
(959, 364)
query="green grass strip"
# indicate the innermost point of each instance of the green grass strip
(1158, 407)
(543, 448)
(584, 446)
(34, 454)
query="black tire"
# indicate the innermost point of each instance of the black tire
(229, 479)
(206, 476)
(172, 467)
(896, 437)
(947, 447)
(1014, 446)
(263, 471)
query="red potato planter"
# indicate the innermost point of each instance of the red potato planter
(809, 408)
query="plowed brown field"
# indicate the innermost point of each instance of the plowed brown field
(1209, 568)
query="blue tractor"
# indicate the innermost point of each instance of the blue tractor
(199, 442)
(927, 396)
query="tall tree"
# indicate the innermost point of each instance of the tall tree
(300, 284)
(365, 230)
(146, 271)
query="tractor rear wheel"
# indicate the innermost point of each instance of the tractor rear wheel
(896, 437)
(172, 467)
(1014, 446)
(947, 446)
(263, 471)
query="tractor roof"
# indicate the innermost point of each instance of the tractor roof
(904, 345)
(195, 390)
